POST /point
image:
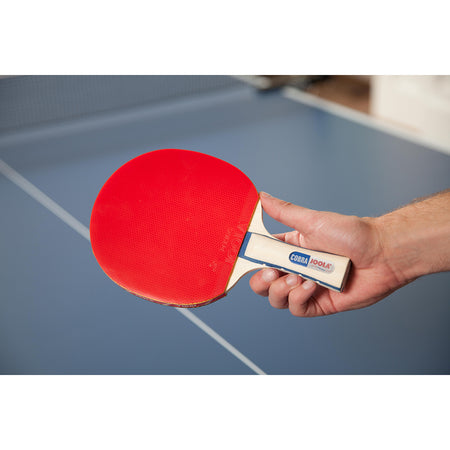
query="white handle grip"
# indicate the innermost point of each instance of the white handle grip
(325, 269)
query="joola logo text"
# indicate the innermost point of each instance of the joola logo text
(311, 262)
(320, 264)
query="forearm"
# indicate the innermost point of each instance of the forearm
(416, 238)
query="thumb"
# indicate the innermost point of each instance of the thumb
(294, 216)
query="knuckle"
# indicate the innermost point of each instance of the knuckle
(277, 297)
(296, 309)
(278, 305)
(278, 288)
(298, 299)
(258, 285)
(296, 313)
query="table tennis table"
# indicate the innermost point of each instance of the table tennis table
(62, 137)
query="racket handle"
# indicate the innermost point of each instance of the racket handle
(326, 269)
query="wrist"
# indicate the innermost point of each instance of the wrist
(415, 240)
(400, 249)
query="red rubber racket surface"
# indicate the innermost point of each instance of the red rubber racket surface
(168, 225)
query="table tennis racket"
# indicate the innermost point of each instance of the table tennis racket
(180, 228)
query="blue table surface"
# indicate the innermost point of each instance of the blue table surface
(60, 314)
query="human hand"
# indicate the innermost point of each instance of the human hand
(360, 239)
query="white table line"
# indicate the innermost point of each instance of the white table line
(83, 231)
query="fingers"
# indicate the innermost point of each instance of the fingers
(279, 290)
(261, 281)
(288, 291)
(293, 216)
(300, 299)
